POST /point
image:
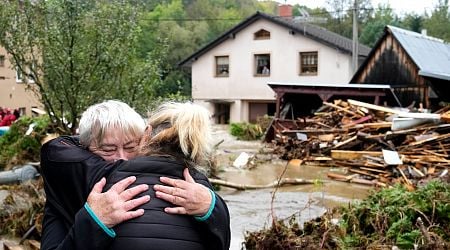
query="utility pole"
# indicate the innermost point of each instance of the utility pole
(355, 46)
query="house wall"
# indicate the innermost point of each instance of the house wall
(242, 86)
(13, 94)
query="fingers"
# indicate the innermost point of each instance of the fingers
(98, 187)
(175, 210)
(177, 200)
(172, 191)
(182, 184)
(123, 184)
(169, 181)
(187, 176)
(131, 192)
(131, 204)
(132, 214)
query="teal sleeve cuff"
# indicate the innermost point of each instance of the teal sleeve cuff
(211, 208)
(107, 230)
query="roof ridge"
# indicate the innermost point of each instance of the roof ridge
(415, 34)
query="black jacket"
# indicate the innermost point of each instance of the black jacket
(159, 230)
(69, 174)
(66, 169)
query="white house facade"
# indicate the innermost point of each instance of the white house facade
(230, 75)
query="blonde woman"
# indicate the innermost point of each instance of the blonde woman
(181, 138)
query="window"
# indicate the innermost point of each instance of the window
(308, 63)
(262, 65)
(261, 35)
(19, 76)
(2, 61)
(222, 66)
(29, 76)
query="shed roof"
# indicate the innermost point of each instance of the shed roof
(431, 55)
(314, 32)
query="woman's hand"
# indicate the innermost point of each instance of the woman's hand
(116, 205)
(190, 197)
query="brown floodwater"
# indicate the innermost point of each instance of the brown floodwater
(251, 210)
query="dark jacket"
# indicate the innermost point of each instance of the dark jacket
(66, 169)
(159, 230)
(69, 174)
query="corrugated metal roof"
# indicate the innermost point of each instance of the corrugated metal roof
(430, 54)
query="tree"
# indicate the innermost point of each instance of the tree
(76, 53)
(413, 22)
(341, 12)
(373, 30)
(438, 25)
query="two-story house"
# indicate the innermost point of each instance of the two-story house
(13, 92)
(230, 74)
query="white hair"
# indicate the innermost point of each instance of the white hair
(185, 124)
(111, 114)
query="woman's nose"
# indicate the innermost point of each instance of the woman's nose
(121, 154)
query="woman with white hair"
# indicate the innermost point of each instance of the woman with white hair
(180, 138)
(194, 216)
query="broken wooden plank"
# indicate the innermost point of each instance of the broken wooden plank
(362, 181)
(374, 164)
(341, 109)
(351, 155)
(373, 106)
(360, 120)
(284, 181)
(340, 177)
(374, 125)
(407, 181)
(375, 170)
(363, 172)
(315, 131)
(418, 171)
(345, 142)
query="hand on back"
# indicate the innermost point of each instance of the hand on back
(116, 205)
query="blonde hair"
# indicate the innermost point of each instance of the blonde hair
(112, 114)
(184, 126)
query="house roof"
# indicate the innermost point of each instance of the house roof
(431, 55)
(314, 32)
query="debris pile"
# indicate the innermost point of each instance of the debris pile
(379, 146)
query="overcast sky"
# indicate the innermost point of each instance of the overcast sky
(399, 6)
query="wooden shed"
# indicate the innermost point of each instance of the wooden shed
(415, 65)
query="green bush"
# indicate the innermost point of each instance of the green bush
(387, 217)
(246, 131)
(16, 147)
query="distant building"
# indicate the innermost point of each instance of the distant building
(13, 92)
(416, 66)
(230, 75)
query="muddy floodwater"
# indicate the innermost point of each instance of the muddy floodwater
(251, 210)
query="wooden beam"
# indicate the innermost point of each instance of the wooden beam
(350, 155)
